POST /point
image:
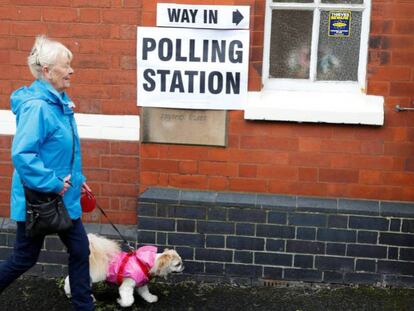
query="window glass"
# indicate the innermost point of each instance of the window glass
(290, 44)
(344, 1)
(338, 57)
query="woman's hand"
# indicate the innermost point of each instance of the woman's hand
(85, 188)
(66, 185)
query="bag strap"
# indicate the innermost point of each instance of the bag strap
(72, 160)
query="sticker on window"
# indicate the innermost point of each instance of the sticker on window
(339, 23)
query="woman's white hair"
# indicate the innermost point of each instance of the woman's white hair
(45, 52)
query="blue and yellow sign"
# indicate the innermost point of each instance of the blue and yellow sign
(339, 23)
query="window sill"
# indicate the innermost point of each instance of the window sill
(321, 107)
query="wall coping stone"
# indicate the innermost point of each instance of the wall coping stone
(281, 202)
(128, 231)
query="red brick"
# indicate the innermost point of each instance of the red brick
(188, 167)
(402, 88)
(378, 88)
(125, 148)
(390, 73)
(258, 156)
(338, 175)
(398, 178)
(247, 170)
(218, 169)
(89, 15)
(92, 61)
(277, 172)
(149, 19)
(65, 15)
(307, 174)
(399, 149)
(218, 183)
(165, 166)
(312, 159)
(309, 188)
(5, 155)
(188, 181)
(96, 175)
(150, 151)
(28, 29)
(125, 162)
(149, 178)
(218, 154)
(133, 3)
(247, 184)
(125, 176)
(42, 2)
(370, 177)
(121, 107)
(119, 190)
(92, 4)
(120, 16)
(341, 146)
(381, 26)
(309, 144)
(91, 31)
(372, 147)
(121, 217)
(187, 153)
(6, 169)
(118, 77)
(5, 183)
(260, 142)
(5, 197)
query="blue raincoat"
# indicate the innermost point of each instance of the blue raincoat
(42, 147)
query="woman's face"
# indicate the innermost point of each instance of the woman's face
(59, 75)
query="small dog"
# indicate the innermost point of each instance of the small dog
(128, 270)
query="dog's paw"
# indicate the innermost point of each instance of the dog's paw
(124, 303)
(151, 298)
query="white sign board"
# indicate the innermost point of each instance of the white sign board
(203, 16)
(192, 68)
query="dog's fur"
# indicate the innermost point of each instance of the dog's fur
(102, 250)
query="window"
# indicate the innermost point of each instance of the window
(314, 64)
(316, 44)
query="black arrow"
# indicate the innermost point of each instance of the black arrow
(237, 17)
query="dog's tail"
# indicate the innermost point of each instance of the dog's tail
(101, 252)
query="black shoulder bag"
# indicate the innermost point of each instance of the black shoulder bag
(45, 211)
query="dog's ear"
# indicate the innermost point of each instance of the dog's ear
(166, 249)
(163, 262)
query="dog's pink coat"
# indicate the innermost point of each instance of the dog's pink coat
(132, 269)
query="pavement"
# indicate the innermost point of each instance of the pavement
(35, 293)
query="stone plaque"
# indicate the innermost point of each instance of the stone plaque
(184, 126)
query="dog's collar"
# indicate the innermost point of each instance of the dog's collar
(142, 265)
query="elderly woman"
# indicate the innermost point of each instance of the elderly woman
(47, 158)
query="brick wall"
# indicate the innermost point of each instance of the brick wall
(112, 170)
(255, 238)
(102, 36)
(308, 159)
(267, 157)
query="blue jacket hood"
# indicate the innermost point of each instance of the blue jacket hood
(42, 90)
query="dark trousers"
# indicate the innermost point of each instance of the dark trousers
(27, 250)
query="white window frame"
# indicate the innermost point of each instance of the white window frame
(311, 84)
(308, 100)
